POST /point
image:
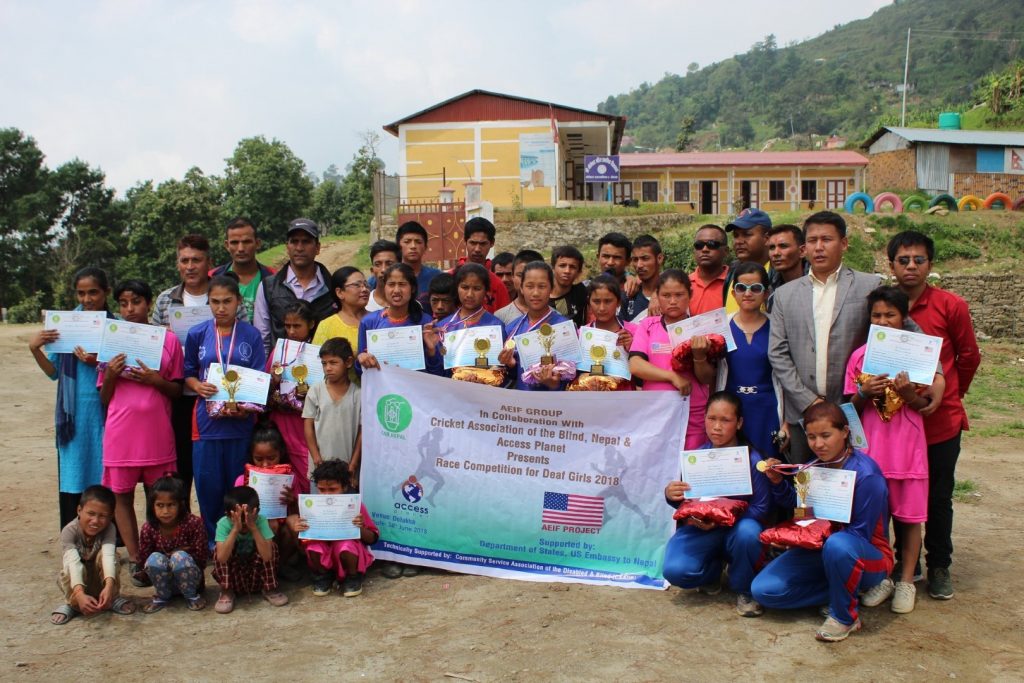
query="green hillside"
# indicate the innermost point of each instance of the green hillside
(845, 81)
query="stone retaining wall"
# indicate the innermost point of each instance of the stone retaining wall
(581, 232)
(996, 302)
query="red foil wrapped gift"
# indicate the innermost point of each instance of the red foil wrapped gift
(682, 355)
(721, 511)
(799, 534)
(276, 469)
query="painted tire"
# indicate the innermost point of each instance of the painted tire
(915, 202)
(865, 199)
(947, 199)
(1019, 204)
(888, 198)
(969, 200)
(1000, 197)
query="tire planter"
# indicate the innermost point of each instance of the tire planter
(998, 197)
(947, 199)
(861, 197)
(888, 198)
(969, 200)
(915, 202)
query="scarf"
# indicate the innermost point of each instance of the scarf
(67, 383)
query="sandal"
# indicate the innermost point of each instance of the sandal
(154, 606)
(122, 606)
(275, 598)
(62, 615)
(225, 603)
(197, 603)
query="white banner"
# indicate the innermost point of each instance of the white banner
(538, 486)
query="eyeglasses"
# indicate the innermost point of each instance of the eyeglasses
(741, 288)
(363, 284)
(905, 260)
(710, 244)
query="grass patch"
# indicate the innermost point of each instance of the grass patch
(997, 392)
(965, 491)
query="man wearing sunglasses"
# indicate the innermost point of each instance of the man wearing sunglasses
(707, 281)
(941, 314)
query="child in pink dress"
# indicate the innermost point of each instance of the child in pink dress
(347, 560)
(897, 444)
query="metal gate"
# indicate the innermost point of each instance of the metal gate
(444, 223)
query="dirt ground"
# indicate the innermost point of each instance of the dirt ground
(440, 626)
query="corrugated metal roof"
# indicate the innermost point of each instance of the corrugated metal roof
(827, 158)
(994, 138)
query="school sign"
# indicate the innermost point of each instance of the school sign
(535, 486)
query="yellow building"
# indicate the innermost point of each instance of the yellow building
(727, 182)
(519, 151)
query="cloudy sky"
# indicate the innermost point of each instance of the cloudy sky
(146, 89)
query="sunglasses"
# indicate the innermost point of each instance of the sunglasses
(741, 288)
(710, 244)
(905, 260)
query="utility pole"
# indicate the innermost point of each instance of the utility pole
(906, 71)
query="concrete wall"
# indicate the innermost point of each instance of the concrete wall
(889, 170)
(996, 302)
(984, 184)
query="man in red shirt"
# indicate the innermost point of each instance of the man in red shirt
(707, 282)
(940, 314)
(479, 235)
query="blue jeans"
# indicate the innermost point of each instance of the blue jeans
(845, 565)
(216, 464)
(694, 558)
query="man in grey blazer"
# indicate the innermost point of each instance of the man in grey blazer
(817, 321)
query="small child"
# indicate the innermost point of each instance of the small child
(245, 560)
(173, 546)
(348, 559)
(285, 399)
(89, 575)
(267, 451)
(441, 296)
(332, 410)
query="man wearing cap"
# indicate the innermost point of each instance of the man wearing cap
(749, 243)
(302, 278)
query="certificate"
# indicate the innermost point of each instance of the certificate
(830, 493)
(289, 353)
(565, 345)
(893, 351)
(712, 322)
(717, 472)
(139, 343)
(184, 318)
(463, 347)
(613, 359)
(269, 488)
(857, 436)
(253, 385)
(398, 346)
(329, 516)
(77, 328)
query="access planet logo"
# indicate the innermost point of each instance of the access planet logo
(412, 490)
(394, 413)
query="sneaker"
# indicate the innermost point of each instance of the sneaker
(876, 595)
(392, 570)
(713, 588)
(353, 586)
(940, 584)
(746, 606)
(322, 584)
(409, 570)
(903, 598)
(832, 631)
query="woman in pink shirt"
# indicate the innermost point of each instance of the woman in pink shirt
(650, 356)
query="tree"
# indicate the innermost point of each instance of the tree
(348, 206)
(686, 129)
(267, 183)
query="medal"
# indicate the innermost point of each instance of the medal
(231, 379)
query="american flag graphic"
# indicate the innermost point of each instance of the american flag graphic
(574, 510)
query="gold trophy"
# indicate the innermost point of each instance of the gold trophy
(597, 354)
(547, 340)
(802, 482)
(482, 346)
(300, 373)
(231, 381)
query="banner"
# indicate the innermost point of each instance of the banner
(538, 486)
(536, 159)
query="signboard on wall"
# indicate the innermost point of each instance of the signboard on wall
(1014, 162)
(598, 168)
(536, 159)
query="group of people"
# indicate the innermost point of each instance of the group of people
(798, 316)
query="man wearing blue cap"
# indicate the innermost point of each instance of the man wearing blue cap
(749, 243)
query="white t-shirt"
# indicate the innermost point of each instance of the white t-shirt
(193, 299)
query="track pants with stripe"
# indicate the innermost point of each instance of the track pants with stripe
(694, 558)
